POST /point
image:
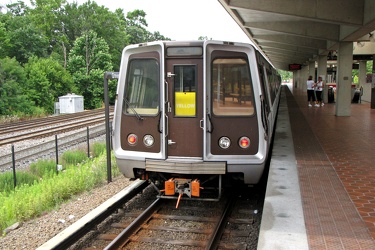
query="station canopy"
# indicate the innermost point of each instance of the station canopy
(292, 32)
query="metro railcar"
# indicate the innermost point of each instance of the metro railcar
(189, 112)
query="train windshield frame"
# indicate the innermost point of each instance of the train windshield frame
(142, 87)
(231, 83)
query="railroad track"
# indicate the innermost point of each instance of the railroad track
(227, 224)
(155, 229)
(8, 127)
(148, 229)
(38, 128)
(50, 131)
(231, 223)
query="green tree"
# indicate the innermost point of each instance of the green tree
(136, 29)
(156, 36)
(27, 41)
(18, 8)
(20, 38)
(136, 25)
(46, 81)
(47, 16)
(88, 60)
(52, 26)
(48, 31)
(14, 101)
(4, 40)
(285, 75)
(110, 26)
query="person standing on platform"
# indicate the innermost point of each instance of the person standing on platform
(310, 91)
(319, 91)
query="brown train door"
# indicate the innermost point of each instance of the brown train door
(184, 107)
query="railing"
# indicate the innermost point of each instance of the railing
(10, 161)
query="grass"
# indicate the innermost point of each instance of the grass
(19, 116)
(73, 157)
(44, 189)
(23, 178)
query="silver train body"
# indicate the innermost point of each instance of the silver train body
(194, 109)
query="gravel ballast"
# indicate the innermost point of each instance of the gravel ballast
(34, 233)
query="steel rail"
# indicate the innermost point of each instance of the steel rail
(73, 233)
(49, 131)
(48, 120)
(214, 240)
(135, 225)
(214, 235)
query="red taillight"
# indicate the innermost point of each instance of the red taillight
(132, 139)
(244, 142)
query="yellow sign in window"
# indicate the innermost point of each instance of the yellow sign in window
(185, 103)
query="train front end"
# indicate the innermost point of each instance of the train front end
(188, 113)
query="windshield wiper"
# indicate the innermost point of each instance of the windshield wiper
(132, 109)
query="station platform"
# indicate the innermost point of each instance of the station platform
(321, 184)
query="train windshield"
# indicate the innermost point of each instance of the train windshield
(142, 88)
(231, 87)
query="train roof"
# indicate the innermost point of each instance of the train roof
(192, 43)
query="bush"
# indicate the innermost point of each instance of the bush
(7, 180)
(43, 167)
(97, 149)
(38, 112)
(73, 157)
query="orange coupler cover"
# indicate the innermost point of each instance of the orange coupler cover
(195, 188)
(169, 187)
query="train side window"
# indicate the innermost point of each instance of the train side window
(263, 82)
(232, 93)
(142, 87)
(185, 90)
(271, 84)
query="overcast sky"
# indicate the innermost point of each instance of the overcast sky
(183, 19)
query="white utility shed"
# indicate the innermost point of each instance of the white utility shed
(71, 103)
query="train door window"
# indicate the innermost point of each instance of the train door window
(142, 87)
(232, 87)
(185, 90)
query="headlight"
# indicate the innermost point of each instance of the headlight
(224, 142)
(148, 140)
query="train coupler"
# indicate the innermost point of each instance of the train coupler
(182, 186)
